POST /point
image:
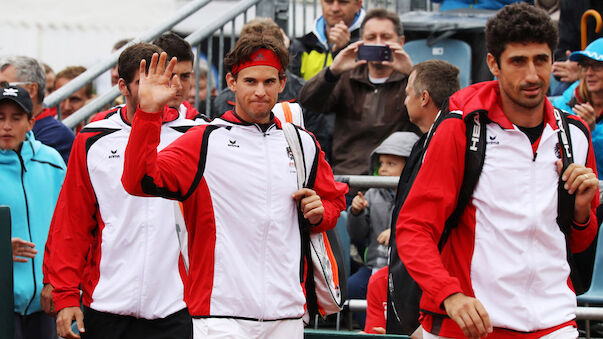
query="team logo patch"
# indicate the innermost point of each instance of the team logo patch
(492, 140)
(113, 154)
(10, 91)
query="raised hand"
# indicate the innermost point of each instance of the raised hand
(566, 70)
(155, 91)
(401, 61)
(587, 113)
(339, 35)
(359, 203)
(346, 59)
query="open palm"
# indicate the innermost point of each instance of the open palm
(155, 89)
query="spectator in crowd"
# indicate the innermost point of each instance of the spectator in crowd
(177, 47)
(570, 38)
(50, 76)
(206, 79)
(225, 101)
(369, 216)
(121, 251)
(227, 297)
(477, 4)
(366, 97)
(338, 26)
(585, 98)
(29, 73)
(77, 99)
(31, 174)
(509, 229)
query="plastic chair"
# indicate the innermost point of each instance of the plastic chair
(594, 295)
(456, 52)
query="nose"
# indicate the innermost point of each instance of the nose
(531, 75)
(6, 124)
(260, 90)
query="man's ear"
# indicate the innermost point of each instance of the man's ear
(493, 65)
(402, 40)
(425, 98)
(31, 124)
(32, 88)
(123, 87)
(230, 81)
(282, 83)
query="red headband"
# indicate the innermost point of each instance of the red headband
(262, 57)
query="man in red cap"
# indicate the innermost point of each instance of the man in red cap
(237, 182)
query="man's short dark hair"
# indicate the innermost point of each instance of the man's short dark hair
(522, 23)
(175, 46)
(72, 72)
(438, 77)
(129, 60)
(383, 14)
(248, 44)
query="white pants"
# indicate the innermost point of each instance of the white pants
(567, 332)
(230, 328)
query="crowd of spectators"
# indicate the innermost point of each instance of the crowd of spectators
(203, 238)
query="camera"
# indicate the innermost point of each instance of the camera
(374, 53)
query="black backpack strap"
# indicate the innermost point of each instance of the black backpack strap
(475, 154)
(565, 205)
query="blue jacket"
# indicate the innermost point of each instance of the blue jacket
(481, 4)
(31, 182)
(53, 133)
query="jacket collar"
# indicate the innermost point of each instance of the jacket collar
(486, 96)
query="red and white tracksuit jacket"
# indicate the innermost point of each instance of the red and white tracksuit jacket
(507, 250)
(235, 182)
(122, 250)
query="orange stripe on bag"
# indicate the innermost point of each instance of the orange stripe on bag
(287, 112)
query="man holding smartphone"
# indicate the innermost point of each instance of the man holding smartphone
(366, 96)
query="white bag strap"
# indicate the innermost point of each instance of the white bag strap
(294, 142)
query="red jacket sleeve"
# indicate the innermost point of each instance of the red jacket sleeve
(72, 227)
(583, 235)
(430, 202)
(170, 173)
(332, 193)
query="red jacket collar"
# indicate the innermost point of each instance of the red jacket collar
(46, 112)
(168, 114)
(486, 96)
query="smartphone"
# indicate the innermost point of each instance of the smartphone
(374, 53)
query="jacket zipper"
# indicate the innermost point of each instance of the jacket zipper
(33, 266)
(268, 209)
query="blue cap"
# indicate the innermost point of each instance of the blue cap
(593, 51)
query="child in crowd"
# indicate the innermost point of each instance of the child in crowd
(369, 216)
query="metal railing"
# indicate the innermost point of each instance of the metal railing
(283, 11)
(195, 38)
